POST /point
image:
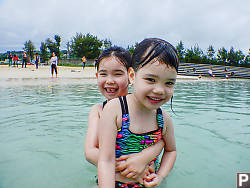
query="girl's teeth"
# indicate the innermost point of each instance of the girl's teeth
(155, 99)
(110, 90)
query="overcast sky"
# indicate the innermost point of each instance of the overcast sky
(221, 23)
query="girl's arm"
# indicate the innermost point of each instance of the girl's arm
(91, 148)
(168, 157)
(107, 141)
(129, 165)
(132, 165)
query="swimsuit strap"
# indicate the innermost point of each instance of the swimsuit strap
(125, 115)
(124, 105)
(104, 103)
(159, 118)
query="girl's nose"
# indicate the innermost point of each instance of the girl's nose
(110, 80)
(159, 89)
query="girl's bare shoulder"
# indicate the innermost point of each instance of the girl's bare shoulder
(114, 111)
(97, 107)
(112, 104)
(96, 110)
(168, 123)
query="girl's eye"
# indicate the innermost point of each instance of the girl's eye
(170, 83)
(150, 79)
(102, 74)
(118, 74)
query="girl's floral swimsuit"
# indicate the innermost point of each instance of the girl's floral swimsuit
(128, 142)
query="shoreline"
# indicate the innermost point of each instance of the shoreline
(66, 75)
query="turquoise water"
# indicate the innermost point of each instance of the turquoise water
(42, 132)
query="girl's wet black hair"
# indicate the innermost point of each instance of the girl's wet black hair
(119, 52)
(154, 48)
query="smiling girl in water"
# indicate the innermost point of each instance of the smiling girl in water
(134, 122)
(112, 79)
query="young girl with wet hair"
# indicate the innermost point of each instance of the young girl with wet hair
(112, 79)
(134, 122)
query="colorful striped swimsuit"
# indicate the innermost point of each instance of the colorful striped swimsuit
(128, 142)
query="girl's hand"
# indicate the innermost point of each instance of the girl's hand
(149, 170)
(152, 180)
(130, 166)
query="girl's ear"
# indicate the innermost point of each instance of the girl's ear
(131, 75)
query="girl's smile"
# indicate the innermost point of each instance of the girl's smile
(111, 90)
(154, 99)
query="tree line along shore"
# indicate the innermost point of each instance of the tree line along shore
(91, 46)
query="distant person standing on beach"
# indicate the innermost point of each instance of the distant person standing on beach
(10, 59)
(54, 62)
(83, 62)
(15, 60)
(25, 60)
(37, 60)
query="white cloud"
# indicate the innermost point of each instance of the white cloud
(221, 23)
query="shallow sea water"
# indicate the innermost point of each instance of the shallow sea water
(43, 127)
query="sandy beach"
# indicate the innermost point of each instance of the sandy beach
(66, 75)
(42, 75)
(44, 72)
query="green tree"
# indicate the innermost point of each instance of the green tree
(106, 43)
(247, 61)
(231, 56)
(131, 48)
(44, 52)
(29, 48)
(86, 45)
(210, 52)
(198, 51)
(54, 46)
(235, 57)
(180, 50)
(222, 55)
(193, 55)
(240, 57)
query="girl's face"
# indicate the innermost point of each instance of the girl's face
(153, 84)
(53, 54)
(112, 78)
